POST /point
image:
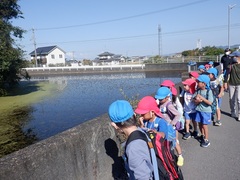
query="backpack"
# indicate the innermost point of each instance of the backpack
(171, 133)
(163, 158)
(214, 103)
(180, 124)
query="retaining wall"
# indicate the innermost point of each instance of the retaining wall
(85, 152)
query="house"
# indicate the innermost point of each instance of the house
(106, 58)
(50, 55)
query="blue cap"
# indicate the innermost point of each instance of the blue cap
(201, 67)
(120, 111)
(210, 62)
(205, 79)
(235, 54)
(163, 92)
(213, 71)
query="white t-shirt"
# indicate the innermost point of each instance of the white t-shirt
(189, 105)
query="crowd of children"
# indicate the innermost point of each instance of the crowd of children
(198, 102)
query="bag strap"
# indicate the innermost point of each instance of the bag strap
(142, 135)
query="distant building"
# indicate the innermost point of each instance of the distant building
(108, 58)
(49, 55)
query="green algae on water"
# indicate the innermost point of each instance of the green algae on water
(15, 111)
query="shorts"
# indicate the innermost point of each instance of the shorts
(203, 117)
(219, 103)
(190, 116)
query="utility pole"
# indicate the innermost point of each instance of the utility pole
(34, 43)
(159, 40)
(229, 9)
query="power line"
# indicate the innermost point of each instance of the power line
(124, 18)
(198, 30)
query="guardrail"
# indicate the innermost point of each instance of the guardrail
(69, 68)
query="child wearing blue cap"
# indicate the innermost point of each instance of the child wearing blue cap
(138, 162)
(170, 114)
(216, 85)
(203, 99)
(201, 69)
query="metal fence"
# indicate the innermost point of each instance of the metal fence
(193, 59)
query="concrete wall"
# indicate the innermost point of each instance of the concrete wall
(87, 152)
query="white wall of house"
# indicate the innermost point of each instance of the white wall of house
(56, 57)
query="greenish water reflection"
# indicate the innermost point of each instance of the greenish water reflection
(15, 111)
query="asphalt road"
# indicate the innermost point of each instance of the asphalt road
(219, 161)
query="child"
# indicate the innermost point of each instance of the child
(216, 85)
(151, 117)
(139, 164)
(201, 69)
(193, 74)
(170, 114)
(203, 99)
(174, 98)
(189, 107)
(211, 64)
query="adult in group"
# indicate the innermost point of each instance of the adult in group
(232, 81)
(226, 60)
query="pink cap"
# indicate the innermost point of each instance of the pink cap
(147, 104)
(194, 74)
(167, 83)
(191, 83)
(207, 66)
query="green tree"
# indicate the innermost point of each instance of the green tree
(11, 55)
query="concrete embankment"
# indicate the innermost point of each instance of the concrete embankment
(87, 151)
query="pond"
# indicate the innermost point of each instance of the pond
(78, 98)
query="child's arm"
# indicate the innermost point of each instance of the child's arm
(174, 111)
(204, 100)
(141, 124)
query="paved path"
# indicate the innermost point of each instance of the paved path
(221, 160)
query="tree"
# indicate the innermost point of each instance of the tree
(11, 55)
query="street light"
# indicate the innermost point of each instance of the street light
(229, 9)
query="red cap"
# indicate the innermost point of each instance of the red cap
(194, 74)
(146, 104)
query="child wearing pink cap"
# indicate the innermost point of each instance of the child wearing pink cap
(174, 98)
(151, 117)
(189, 107)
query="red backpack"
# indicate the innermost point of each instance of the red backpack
(166, 159)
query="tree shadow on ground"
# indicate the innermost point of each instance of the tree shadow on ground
(118, 169)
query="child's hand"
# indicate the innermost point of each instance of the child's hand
(141, 122)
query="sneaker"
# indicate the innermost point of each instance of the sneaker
(233, 115)
(205, 143)
(180, 161)
(218, 123)
(187, 135)
(201, 138)
(195, 134)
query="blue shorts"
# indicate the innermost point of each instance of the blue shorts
(190, 116)
(219, 103)
(203, 117)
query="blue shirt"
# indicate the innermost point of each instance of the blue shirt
(159, 124)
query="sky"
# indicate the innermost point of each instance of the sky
(86, 28)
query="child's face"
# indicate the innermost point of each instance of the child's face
(211, 76)
(201, 85)
(147, 116)
(186, 87)
(162, 101)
